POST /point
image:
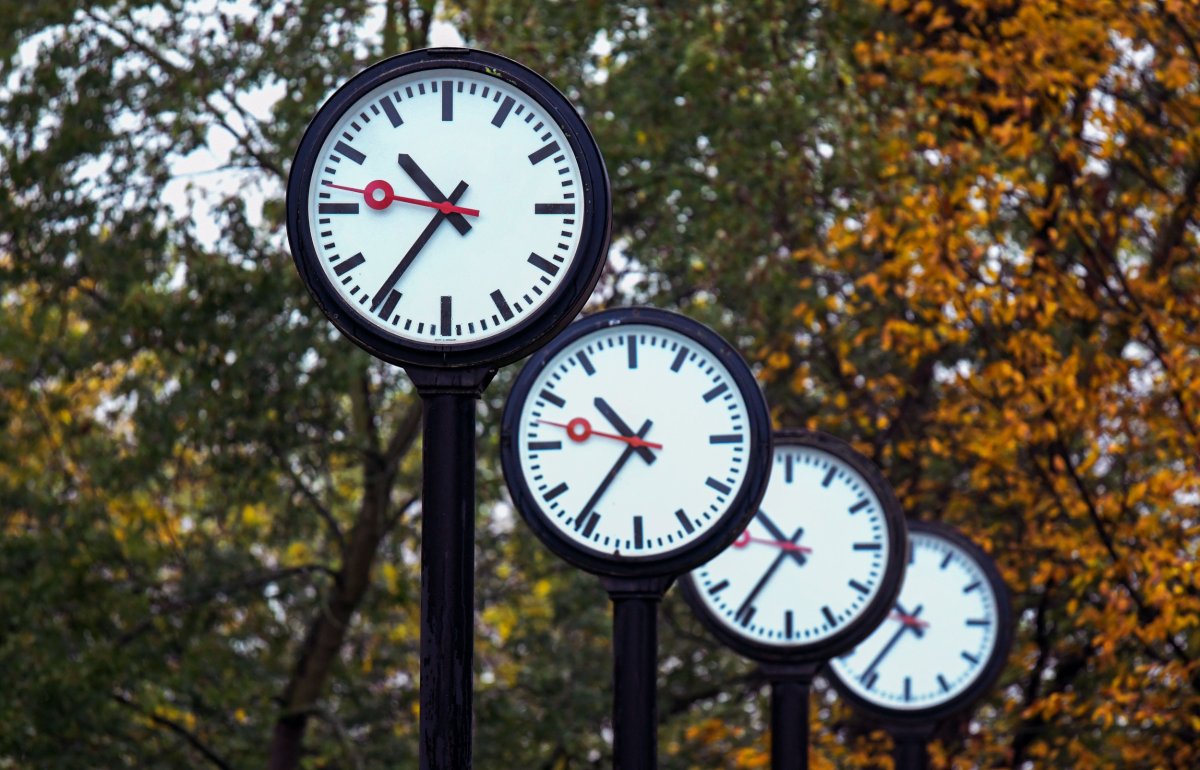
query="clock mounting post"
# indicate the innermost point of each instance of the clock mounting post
(636, 446)
(450, 212)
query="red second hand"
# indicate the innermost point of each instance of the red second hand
(579, 429)
(379, 203)
(745, 539)
(909, 620)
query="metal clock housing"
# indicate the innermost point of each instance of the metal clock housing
(818, 565)
(946, 642)
(636, 444)
(448, 208)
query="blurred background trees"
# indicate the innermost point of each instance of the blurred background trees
(960, 233)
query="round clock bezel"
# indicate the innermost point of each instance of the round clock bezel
(542, 323)
(989, 672)
(721, 532)
(876, 610)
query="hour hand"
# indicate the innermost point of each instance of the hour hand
(776, 533)
(427, 186)
(622, 428)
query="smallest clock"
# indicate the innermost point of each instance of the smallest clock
(945, 642)
(818, 566)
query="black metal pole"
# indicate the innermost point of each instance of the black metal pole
(790, 687)
(909, 749)
(447, 565)
(635, 670)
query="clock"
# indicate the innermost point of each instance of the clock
(636, 444)
(946, 640)
(448, 208)
(819, 564)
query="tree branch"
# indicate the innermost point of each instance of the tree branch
(187, 735)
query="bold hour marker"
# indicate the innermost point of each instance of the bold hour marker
(389, 109)
(548, 396)
(787, 623)
(539, 156)
(542, 446)
(979, 622)
(389, 305)
(678, 362)
(446, 315)
(946, 561)
(725, 438)
(868, 546)
(857, 586)
(553, 493)
(971, 587)
(502, 305)
(502, 113)
(447, 100)
(710, 395)
(543, 264)
(593, 520)
(683, 519)
(942, 681)
(722, 488)
(788, 469)
(554, 208)
(829, 476)
(912, 554)
(968, 657)
(349, 152)
(870, 681)
(859, 506)
(637, 532)
(586, 363)
(719, 587)
(745, 614)
(337, 208)
(829, 618)
(907, 688)
(631, 347)
(349, 264)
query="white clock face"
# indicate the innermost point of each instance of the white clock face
(810, 561)
(633, 441)
(446, 206)
(939, 637)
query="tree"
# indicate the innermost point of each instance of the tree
(960, 233)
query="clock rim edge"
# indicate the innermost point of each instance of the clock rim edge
(989, 673)
(552, 316)
(727, 526)
(860, 627)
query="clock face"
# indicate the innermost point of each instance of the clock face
(819, 563)
(443, 207)
(639, 438)
(947, 634)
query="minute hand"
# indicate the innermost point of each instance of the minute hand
(608, 479)
(762, 581)
(415, 249)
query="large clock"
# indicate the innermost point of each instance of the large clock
(448, 208)
(817, 567)
(637, 443)
(945, 641)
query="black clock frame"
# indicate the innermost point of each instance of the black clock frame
(542, 323)
(900, 721)
(877, 609)
(736, 515)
